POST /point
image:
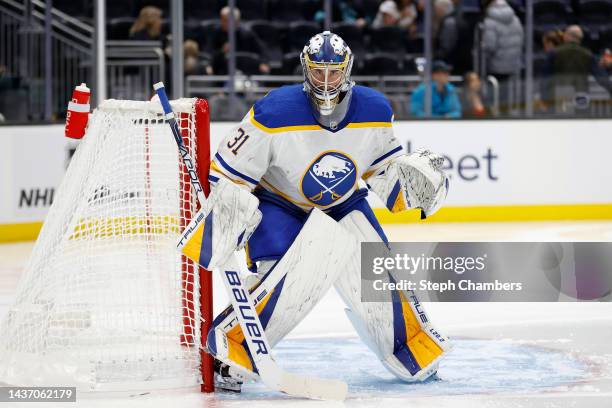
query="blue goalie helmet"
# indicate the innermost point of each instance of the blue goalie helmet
(327, 62)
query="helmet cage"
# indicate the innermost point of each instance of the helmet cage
(326, 80)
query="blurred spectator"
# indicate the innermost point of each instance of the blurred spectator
(441, 9)
(408, 12)
(192, 64)
(551, 39)
(606, 60)
(444, 99)
(447, 33)
(245, 41)
(452, 37)
(502, 42)
(568, 68)
(400, 13)
(148, 25)
(2, 71)
(345, 11)
(472, 102)
(446, 25)
(3, 77)
(14, 97)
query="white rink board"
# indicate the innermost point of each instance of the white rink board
(33, 160)
(520, 162)
(491, 162)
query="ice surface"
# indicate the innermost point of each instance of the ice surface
(473, 367)
(520, 355)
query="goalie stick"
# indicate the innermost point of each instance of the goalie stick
(269, 372)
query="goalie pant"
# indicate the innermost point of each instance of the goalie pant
(299, 256)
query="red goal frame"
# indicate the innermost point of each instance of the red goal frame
(202, 148)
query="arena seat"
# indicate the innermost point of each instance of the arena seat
(119, 28)
(388, 39)
(291, 63)
(283, 10)
(201, 9)
(252, 9)
(205, 33)
(270, 34)
(552, 12)
(605, 38)
(248, 62)
(299, 33)
(382, 63)
(353, 36)
(120, 8)
(595, 13)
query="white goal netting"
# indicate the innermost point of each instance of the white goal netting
(106, 301)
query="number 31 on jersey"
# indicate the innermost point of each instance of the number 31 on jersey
(238, 141)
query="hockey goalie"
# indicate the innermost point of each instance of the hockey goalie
(289, 185)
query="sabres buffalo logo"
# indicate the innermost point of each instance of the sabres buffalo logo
(328, 178)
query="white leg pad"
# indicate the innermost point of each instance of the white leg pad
(398, 333)
(299, 280)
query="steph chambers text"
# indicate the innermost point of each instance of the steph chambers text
(462, 285)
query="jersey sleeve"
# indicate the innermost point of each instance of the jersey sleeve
(386, 148)
(243, 156)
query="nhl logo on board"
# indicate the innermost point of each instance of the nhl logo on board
(329, 178)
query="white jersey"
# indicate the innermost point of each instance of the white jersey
(280, 147)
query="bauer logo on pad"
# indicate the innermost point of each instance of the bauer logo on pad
(329, 177)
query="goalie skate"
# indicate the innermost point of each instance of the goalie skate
(224, 380)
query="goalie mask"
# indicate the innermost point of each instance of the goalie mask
(327, 62)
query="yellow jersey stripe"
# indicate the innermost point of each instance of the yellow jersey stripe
(356, 125)
(282, 128)
(368, 174)
(214, 167)
(280, 193)
(360, 125)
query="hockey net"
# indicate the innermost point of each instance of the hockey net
(106, 301)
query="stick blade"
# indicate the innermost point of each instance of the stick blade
(313, 387)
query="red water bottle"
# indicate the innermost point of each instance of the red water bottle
(78, 112)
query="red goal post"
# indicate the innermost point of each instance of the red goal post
(202, 120)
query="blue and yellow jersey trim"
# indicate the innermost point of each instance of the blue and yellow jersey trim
(220, 166)
(377, 163)
(268, 186)
(281, 129)
(361, 125)
(301, 128)
(386, 155)
(287, 109)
